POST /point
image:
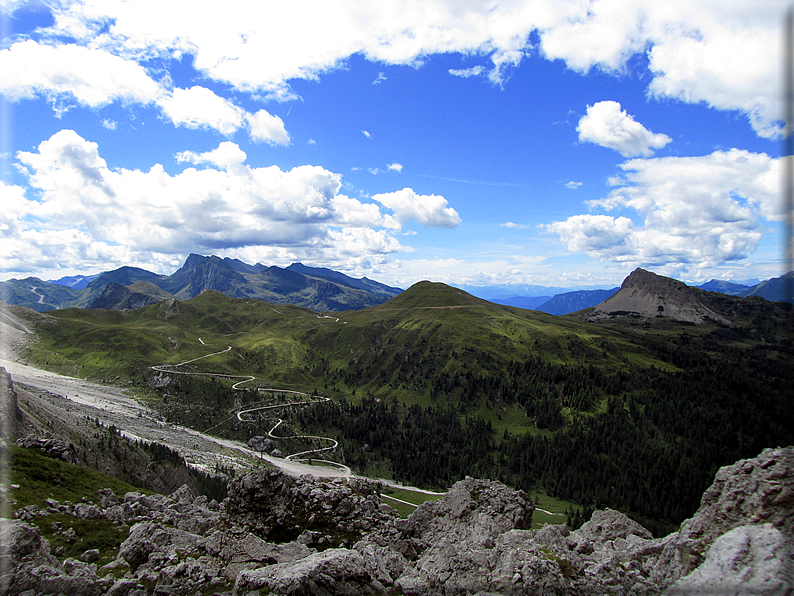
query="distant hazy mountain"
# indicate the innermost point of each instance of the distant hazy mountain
(341, 278)
(130, 287)
(315, 288)
(726, 287)
(777, 289)
(39, 295)
(78, 282)
(559, 304)
(569, 302)
(508, 291)
(773, 289)
(528, 302)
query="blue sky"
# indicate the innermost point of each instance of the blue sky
(548, 143)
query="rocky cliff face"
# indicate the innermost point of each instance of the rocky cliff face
(473, 540)
(11, 416)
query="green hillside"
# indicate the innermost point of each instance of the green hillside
(436, 384)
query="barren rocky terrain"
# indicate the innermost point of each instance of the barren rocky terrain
(278, 534)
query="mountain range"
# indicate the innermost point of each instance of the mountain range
(316, 288)
(568, 302)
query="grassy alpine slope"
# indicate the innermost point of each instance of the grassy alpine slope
(436, 384)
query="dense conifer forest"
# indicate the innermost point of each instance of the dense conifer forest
(640, 439)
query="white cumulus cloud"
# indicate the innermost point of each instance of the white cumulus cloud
(268, 128)
(704, 210)
(70, 74)
(428, 210)
(88, 76)
(600, 236)
(724, 54)
(606, 124)
(97, 216)
(395, 167)
(200, 107)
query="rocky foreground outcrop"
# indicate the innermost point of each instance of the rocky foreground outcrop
(282, 535)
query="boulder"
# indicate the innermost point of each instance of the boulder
(184, 494)
(756, 560)
(261, 444)
(147, 538)
(27, 565)
(476, 510)
(386, 563)
(279, 508)
(90, 556)
(334, 571)
(460, 531)
(607, 524)
(55, 448)
(22, 543)
(107, 498)
(752, 491)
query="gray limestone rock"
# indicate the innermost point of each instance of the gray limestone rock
(147, 538)
(56, 448)
(751, 491)
(386, 563)
(280, 508)
(756, 560)
(478, 510)
(474, 540)
(461, 530)
(27, 565)
(90, 556)
(11, 416)
(123, 587)
(88, 511)
(107, 498)
(260, 443)
(334, 571)
(184, 494)
(607, 524)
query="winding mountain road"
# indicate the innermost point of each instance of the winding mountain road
(295, 457)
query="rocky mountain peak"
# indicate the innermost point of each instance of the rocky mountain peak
(646, 295)
(647, 279)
